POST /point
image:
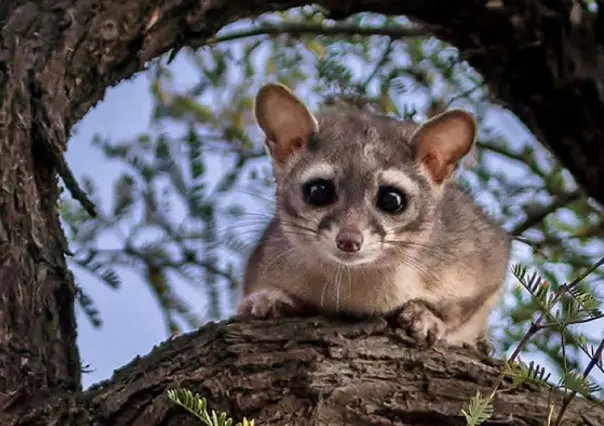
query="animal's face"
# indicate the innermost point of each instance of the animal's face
(355, 193)
(354, 187)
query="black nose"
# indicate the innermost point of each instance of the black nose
(349, 240)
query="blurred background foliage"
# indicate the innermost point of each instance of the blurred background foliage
(189, 205)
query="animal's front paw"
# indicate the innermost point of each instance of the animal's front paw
(268, 304)
(420, 321)
(484, 345)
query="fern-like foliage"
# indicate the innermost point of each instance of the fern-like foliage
(522, 373)
(540, 289)
(577, 304)
(197, 406)
(580, 384)
(561, 307)
(478, 410)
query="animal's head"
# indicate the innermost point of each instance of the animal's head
(355, 187)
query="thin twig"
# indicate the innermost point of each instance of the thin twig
(519, 157)
(575, 322)
(383, 60)
(592, 363)
(581, 277)
(464, 94)
(536, 216)
(298, 28)
(47, 137)
(533, 328)
(191, 259)
(536, 325)
(565, 288)
(72, 184)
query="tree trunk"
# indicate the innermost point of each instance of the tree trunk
(303, 372)
(57, 57)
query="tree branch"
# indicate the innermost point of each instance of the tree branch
(334, 372)
(596, 358)
(537, 215)
(300, 28)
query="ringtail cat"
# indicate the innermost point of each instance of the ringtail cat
(369, 222)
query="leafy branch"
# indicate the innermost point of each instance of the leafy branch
(480, 409)
(596, 360)
(300, 28)
(541, 292)
(537, 215)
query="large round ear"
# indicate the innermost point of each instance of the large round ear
(284, 119)
(444, 140)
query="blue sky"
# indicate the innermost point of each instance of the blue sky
(132, 323)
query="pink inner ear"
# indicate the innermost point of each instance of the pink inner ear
(296, 143)
(440, 168)
(282, 150)
(442, 142)
(433, 163)
(285, 120)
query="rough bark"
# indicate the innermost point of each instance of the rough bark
(303, 372)
(57, 57)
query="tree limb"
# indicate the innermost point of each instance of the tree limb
(298, 28)
(303, 372)
(534, 217)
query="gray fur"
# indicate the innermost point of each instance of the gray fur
(460, 255)
(343, 136)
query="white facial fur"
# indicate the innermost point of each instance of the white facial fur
(380, 231)
(321, 170)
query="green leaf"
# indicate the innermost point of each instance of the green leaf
(197, 406)
(316, 47)
(478, 410)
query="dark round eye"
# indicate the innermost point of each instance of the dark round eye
(319, 192)
(391, 200)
